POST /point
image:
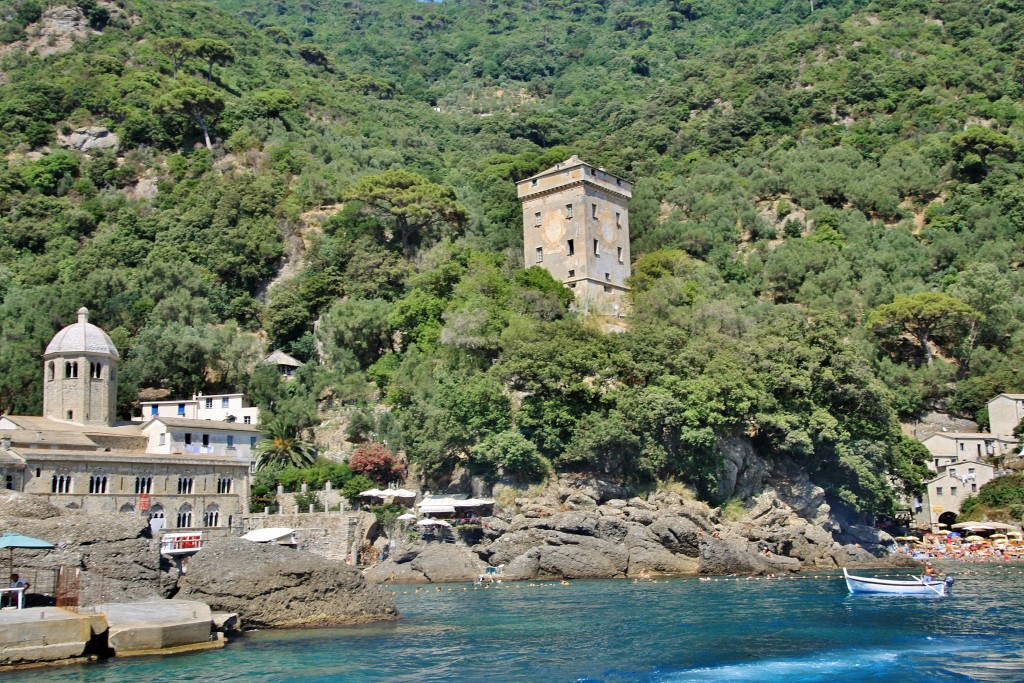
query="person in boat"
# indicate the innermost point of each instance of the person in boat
(929, 573)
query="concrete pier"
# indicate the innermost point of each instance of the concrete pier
(158, 627)
(48, 634)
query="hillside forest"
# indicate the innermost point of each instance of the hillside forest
(827, 222)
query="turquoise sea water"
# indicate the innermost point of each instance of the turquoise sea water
(666, 632)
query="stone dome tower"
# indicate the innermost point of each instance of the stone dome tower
(80, 374)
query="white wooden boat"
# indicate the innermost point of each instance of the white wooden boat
(916, 586)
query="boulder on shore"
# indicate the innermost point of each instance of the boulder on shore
(424, 562)
(114, 553)
(269, 586)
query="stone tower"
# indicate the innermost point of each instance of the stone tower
(576, 226)
(80, 375)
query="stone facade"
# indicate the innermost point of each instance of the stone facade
(80, 375)
(76, 456)
(184, 492)
(944, 493)
(576, 226)
(1005, 412)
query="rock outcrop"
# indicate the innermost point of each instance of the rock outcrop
(89, 138)
(114, 553)
(428, 563)
(273, 586)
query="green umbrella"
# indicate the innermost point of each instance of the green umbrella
(12, 540)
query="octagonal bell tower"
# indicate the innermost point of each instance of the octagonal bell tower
(80, 375)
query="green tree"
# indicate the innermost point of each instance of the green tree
(198, 104)
(213, 52)
(927, 317)
(411, 204)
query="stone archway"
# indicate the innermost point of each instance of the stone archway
(947, 518)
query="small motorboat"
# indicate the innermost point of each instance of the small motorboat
(916, 586)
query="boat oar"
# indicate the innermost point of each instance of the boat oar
(929, 585)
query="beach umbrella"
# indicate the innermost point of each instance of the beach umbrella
(408, 516)
(400, 493)
(999, 525)
(907, 538)
(974, 539)
(942, 526)
(433, 522)
(12, 540)
(998, 536)
(941, 532)
(372, 493)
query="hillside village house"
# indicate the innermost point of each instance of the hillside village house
(963, 462)
(286, 365)
(1005, 412)
(77, 456)
(576, 226)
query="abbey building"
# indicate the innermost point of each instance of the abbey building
(176, 471)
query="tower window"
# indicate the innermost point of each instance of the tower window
(49, 371)
(593, 210)
(572, 247)
(620, 254)
(96, 370)
(568, 210)
(533, 182)
(597, 248)
(607, 288)
(71, 415)
(536, 219)
(608, 276)
(618, 219)
(572, 273)
(540, 254)
(71, 370)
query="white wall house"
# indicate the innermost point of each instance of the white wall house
(951, 447)
(1005, 412)
(947, 490)
(220, 407)
(169, 435)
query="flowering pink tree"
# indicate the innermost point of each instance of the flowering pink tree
(377, 462)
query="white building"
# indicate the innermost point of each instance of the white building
(1005, 412)
(951, 447)
(175, 435)
(218, 407)
(945, 492)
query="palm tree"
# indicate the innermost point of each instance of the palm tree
(282, 446)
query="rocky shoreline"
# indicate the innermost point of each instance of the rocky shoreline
(584, 528)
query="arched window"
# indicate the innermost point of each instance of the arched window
(127, 508)
(185, 516)
(50, 369)
(98, 483)
(71, 370)
(143, 484)
(211, 517)
(156, 512)
(185, 486)
(61, 483)
(96, 370)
